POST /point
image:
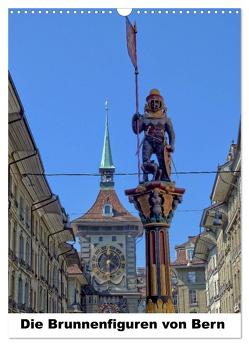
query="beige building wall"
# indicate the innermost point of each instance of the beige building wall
(186, 301)
(189, 284)
(222, 220)
(37, 225)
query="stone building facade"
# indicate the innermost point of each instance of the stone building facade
(221, 222)
(39, 229)
(188, 279)
(206, 250)
(107, 235)
(75, 281)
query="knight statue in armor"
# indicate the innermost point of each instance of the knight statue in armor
(159, 137)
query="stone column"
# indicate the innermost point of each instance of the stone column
(156, 202)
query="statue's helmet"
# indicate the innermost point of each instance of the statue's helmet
(155, 100)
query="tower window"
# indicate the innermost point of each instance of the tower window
(107, 210)
(114, 238)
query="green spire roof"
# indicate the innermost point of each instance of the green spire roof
(106, 160)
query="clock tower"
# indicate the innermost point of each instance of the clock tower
(107, 234)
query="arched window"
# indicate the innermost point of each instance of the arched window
(107, 210)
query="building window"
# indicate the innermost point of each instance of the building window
(10, 185)
(31, 298)
(36, 228)
(192, 297)
(189, 254)
(44, 300)
(14, 239)
(107, 211)
(100, 238)
(15, 194)
(27, 253)
(175, 298)
(26, 295)
(49, 304)
(12, 285)
(21, 210)
(54, 305)
(191, 277)
(41, 264)
(21, 247)
(34, 301)
(54, 280)
(20, 291)
(9, 237)
(27, 219)
(41, 235)
(114, 238)
(41, 299)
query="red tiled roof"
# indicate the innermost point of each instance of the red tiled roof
(191, 239)
(95, 213)
(181, 258)
(181, 261)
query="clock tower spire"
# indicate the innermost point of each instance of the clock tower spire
(106, 168)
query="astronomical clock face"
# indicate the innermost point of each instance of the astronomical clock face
(108, 263)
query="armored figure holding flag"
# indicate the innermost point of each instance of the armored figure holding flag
(156, 200)
(155, 124)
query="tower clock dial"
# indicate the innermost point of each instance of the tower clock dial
(108, 263)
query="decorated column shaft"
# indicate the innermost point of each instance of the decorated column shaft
(156, 202)
(157, 266)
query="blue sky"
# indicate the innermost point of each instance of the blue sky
(66, 65)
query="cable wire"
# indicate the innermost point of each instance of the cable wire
(123, 174)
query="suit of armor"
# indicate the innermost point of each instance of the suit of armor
(155, 123)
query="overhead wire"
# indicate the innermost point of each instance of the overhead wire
(125, 174)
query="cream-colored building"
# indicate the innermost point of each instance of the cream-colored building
(76, 281)
(206, 250)
(221, 241)
(188, 279)
(38, 225)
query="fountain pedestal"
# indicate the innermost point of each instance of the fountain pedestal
(156, 202)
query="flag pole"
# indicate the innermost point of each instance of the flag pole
(137, 106)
